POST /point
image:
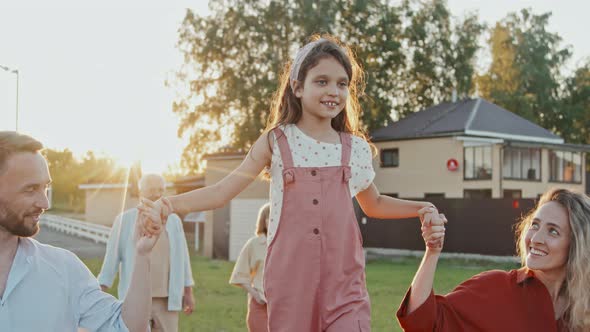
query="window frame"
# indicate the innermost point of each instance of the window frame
(552, 155)
(482, 157)
(382, 152)
(523, 175)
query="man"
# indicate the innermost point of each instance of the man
(171, 275)
(44, 288)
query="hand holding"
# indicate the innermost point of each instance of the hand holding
(434, 235)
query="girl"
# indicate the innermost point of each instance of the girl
(248, 273)
(319, 159)
(550, 293)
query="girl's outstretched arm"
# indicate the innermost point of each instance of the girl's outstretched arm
(217, 195)
(380, 206)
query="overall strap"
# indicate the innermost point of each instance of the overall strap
(283, 148)
(346, 140)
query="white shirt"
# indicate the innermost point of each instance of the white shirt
(49, 289)
(309, 152)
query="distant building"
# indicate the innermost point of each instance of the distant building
(473, 148)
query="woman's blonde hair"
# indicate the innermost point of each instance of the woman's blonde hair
(577, 279)
(263, 215)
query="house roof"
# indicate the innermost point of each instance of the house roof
(469, 117)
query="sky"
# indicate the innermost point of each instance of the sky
(92, 74)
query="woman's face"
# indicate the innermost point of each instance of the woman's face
(548, 239)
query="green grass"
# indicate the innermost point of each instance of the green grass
(222, 308)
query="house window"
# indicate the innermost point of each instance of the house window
(478, 163)
(477, 193)
(522, 164)
(390, 158)
(565, 166)
(513, 193)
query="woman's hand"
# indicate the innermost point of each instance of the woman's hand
(434, 235)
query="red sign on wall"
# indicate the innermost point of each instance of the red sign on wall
(452, 164)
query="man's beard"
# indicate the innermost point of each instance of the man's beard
(15, 225)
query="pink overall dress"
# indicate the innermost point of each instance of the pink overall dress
(314, 276)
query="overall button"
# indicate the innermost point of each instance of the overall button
(316, 231)
(315, 202)
(314, 172)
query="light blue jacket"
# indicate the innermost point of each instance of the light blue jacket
(50, 289)
(121, 252)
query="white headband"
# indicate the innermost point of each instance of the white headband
(301, 55)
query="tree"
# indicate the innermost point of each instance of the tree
(575, 125)
(233, 59)
(68, 173)
(524, 76)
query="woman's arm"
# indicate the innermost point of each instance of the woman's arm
(423, 280)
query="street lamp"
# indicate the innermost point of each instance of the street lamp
(14, 71)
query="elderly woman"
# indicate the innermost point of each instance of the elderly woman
(549, 293)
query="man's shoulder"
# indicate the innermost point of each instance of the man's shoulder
(49, 254)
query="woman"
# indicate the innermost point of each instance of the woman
(549, 293)
(248, 273)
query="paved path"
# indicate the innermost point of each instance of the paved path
(82, 247)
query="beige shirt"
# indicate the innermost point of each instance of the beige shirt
(160, 266)
(249, 266)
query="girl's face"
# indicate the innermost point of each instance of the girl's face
(548, 239)
(325, 90)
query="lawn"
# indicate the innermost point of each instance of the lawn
(222, 308)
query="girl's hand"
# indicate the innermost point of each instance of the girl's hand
(426, 214)
(151, 213)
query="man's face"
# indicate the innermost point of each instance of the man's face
(24, 179)
(153, 188)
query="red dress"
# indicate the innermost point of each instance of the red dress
(493, 301)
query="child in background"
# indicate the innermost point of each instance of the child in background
(248, 273)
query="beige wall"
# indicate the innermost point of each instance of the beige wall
(422, 169)
(216, 169)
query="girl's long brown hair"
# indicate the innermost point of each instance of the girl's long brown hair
(286, 107)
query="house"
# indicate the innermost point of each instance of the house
(473, 148)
